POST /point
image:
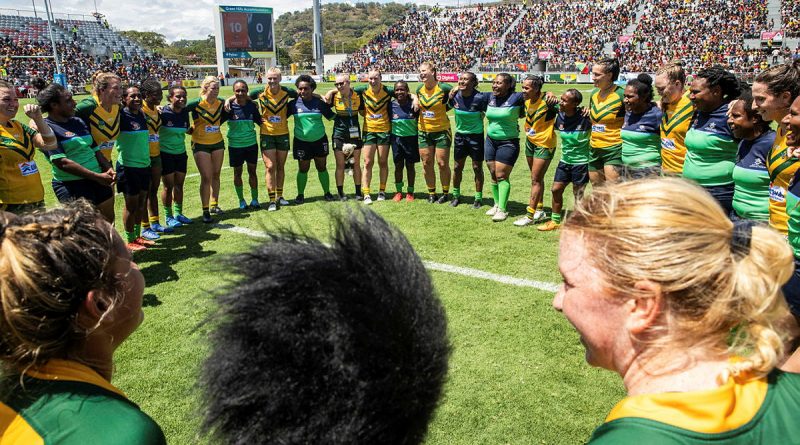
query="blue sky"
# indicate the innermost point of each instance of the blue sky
(176, 19)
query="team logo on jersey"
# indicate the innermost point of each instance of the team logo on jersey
(561, 127)
(170, 124)
(69, 134)
(712, 126)
(395, 116)
(135, 126)
(101, 124)
(274, 119)
(642, 128)
(234, 116)
(757, 163)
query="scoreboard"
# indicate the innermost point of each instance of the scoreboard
(246, 32)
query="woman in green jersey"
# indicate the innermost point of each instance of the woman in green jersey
(172, 138)
(686, 309)
(71, 294)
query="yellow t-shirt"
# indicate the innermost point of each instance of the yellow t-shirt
(20, 182)
(207, 119)
(781, 170)
(377, 116)
(104, 126)
(433, 108)
(539, 120)
(675, 122)
(153, 118)
(607, 116)
(273, 112)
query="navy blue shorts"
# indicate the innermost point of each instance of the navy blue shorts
(724, 196)
(238, 156)
(577, 174)
(82, 188)
(791, 290)
(133, 180)
(506, 151)
(405, 149)
(468, 145)
(171, 163)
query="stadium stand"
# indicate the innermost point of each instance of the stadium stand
(790, 15)
(90, 49)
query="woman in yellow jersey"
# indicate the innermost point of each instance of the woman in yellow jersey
(377, 127)
(434, 130)
(71, 294)
(677, 277)
(151, 226)
(101, 111)
(677, 112)
(774, 90)
(607, 113)
(208, 115)
(21, 187)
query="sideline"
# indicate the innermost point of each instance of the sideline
(465, 271)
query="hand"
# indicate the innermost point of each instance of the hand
(453, 92)
(228, 102)
(793, 152)
(104, 178)
(550, 99)
(586, 112)
(33, 111)
(415, 103)
(731, 104)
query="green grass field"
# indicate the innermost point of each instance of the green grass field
(517, 373)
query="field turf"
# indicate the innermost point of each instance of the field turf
(517, 372)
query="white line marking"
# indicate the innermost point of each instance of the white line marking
(465, 271)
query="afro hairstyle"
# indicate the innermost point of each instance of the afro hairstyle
(340, 343)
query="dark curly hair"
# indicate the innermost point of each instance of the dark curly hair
(306, 78)
(727, 82)
(315, 343)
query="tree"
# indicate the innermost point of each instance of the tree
(302, 52)
(148, 39)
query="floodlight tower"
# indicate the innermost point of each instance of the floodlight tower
(317, 43)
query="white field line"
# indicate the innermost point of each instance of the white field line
(465, 271)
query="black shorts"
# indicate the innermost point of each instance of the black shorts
(171, 163)
(577, 174)
(724, 196)
(405, 149)
(504, 151)
(791, 290)
(238, 156)
(468, 145)
(82, 188)
(339, 141)
(133, 180)
(306, 151)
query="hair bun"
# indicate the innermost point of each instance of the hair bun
(645, 78)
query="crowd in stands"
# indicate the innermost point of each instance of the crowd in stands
(451, 36)
(542, 28)
(790, 15)
(18, 67)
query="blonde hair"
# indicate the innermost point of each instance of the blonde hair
(101, 80)
(49, 261)
(671, 232)
(674, 71)
(430, 65)
(275, 70)
(206, 83)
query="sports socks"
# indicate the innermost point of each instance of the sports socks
(398, 186)
(302, 180)
(239, 192)
(382, 188)
(456, 192)
(325, 181)
(531, 212)
(557, 218)
(179, 208)
(478, 195)
(254, 194)
(504, 190)
(167, 211)
(496, 193)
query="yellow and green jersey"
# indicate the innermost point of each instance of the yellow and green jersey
(539, 120)
(377, 118)
(68, 403)
(273, 109)
(760, 411)
(793, 210)
(675, 122)
(781, 170)
(347, 110)
(104, 125)
(153, 118)
(20, 182)
(607, 116)
(433, 107)
(207, 119)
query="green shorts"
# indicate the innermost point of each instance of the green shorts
(207, 148)
(600, 157)
(440, 140)
(155, 161)
(534, 151)
(376, 138)
(279, 142)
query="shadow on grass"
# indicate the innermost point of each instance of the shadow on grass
(150, 300)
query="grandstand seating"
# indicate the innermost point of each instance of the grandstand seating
(90, 51)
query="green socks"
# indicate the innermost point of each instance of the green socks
(254, 194)
(496, 193)
(456, 192)
(167, 210)
(239, 192)
(137, 230)
(398, 186)
(178, 209)
(302, 180)
(504, 189)
(556, 218)
(410, 189)
(325, 180)
(478, 196)
(130, 236)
